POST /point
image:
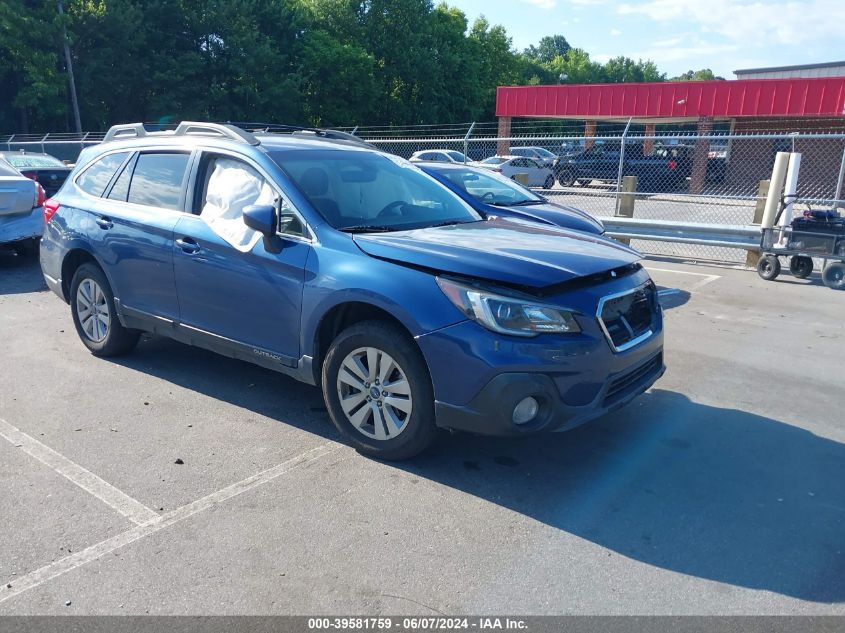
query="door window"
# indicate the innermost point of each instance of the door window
(120, 188)
(97, 176)
(157, 180)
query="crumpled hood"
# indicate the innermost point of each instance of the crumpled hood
(510, 251)
(566, 217)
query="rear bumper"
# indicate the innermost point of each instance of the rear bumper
(25, 226)
(490, 412)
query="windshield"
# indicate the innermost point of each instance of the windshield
(369, 191)
(490, 188)
(22, 161)
(494, 160)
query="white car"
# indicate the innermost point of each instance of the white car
(510, 166)
(539, 155)
(439, 156)
(21, 216)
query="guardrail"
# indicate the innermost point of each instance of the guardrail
(719, 235)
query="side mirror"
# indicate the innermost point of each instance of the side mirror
(261, 218)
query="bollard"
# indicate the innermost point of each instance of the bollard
(625, 204)
(753, 257)
(522, 179)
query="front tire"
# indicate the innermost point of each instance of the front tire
(768, 267)
(378, 391)
(567, 178)
(94, 314)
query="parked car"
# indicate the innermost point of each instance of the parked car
(539, 155)
(46, 170)
(510, 166)
(439, 156)
(351, 269)
(492, 194)
(662, 170)
(21, 220)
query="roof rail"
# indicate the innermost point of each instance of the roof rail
(302, 130)
(185, 128)
(127, 130)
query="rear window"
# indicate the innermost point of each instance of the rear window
(30, 161)
(97, 176)
(157, 180)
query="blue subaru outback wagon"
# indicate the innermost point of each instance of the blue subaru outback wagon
(318, 256)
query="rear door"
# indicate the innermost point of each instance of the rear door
(229, 286)
(133, 223)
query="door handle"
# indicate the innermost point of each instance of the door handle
(104, 223)
(188, 245)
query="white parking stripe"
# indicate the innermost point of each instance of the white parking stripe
(133, 510)
(82, 557)
(707, 278)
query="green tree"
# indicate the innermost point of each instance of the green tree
(705, 74)
(549, 47)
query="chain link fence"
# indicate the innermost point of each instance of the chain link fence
(713, 179)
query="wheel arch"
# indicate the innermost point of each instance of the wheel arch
(342, 316)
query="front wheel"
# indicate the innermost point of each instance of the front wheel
(833, 276)
(768, 267)
(566, 178)
(94, 314)
(378, 391)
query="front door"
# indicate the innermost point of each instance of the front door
(228, 285)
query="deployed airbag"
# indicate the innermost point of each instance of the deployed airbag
(233, 186)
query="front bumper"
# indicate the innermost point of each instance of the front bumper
(479, 376)
(14, 228)
(490, 412)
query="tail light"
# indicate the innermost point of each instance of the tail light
(50, 208)
(42, 195)
(673, 165)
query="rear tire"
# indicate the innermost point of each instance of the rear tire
(768, 267)
(378, 391)
(834, 276)
(550, 182)
(566, 178)
(801, 266)
(94, 314)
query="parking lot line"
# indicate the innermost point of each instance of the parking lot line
(82, 557)
(133, 510)
(707, 278)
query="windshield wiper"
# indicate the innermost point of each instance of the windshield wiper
(525, 203)
(368, 228)
(448, 223)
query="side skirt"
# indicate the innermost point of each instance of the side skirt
(300, 369)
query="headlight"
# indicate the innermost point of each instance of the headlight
(508, 315)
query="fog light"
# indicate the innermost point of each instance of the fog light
(525, 411)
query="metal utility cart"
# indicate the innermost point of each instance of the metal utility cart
(805, 239)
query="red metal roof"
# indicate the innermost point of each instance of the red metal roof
(682, 99)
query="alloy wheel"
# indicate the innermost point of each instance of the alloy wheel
(92, 309)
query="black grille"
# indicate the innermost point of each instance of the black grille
(630, 382)
(626, 318)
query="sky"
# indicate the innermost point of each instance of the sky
(679, 35)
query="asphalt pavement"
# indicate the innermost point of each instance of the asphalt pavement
(174, 481)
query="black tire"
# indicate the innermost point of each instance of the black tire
(566, 178)
(768, 267)
(117, 339)
(834, 276)
(801, 266)
(550, 182)
(419, 430)
(28, 248)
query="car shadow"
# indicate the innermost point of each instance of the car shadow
(710, 492)
(670, 298)
(20, 274)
